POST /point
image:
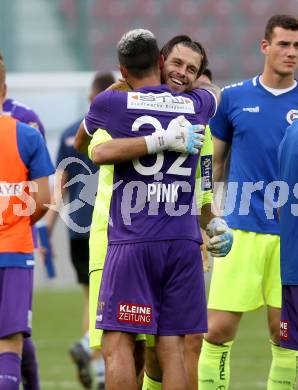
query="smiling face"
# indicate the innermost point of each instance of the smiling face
(181, 68)
(281, 52)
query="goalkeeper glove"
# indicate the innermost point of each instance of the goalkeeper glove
(180, 136)
(221, 237)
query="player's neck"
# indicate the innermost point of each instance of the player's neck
(152, 81)
(273, 80)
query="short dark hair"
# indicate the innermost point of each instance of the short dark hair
(207, 72)
(138, 52)
(286, 22)
(102, 81)
(186, 40)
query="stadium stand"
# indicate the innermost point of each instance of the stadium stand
(230, 30)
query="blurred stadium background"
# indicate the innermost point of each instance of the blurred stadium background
(52, 49)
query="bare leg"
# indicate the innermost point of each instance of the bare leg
(273, 323)
(152, 365)
(118, 353)
(193, 343)
(223, 326)
(170, 353)
(139, 356)
(85, 319)
(13, 343)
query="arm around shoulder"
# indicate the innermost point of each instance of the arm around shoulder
(82, 139)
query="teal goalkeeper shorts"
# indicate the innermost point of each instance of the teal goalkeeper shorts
(249, 276)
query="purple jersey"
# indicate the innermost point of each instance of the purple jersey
(153, 197)
(23, 114)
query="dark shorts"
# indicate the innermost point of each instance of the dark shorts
(16, 285)
(289, 318)
(154, 288)
(79, 249)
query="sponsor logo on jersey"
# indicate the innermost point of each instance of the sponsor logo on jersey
(160, 102)
(251, 109)
(11, 189)
(291, 115)
(284, 330)
(134, 313)
(206, 171)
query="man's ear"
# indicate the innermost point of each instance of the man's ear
(161, 61)
(264, 46)
(123, 71)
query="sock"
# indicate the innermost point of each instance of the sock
(29, 366)
(150, 384)
(85, 343)
(283, 370)
(98, 367)
(214, 366)
(10, 371)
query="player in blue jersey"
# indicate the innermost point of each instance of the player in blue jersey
(73, 166)
(158, 212)
(288, 157)
(250, 123)
(24, 161)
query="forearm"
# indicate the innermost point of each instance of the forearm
(119, 150)
(218, 171)
(82, 140)
(39, 212)
(208, 211)
(41, 198)
(57, 196)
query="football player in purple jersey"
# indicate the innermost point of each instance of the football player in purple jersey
(147, 233)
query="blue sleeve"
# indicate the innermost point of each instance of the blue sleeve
(220, 124)
(97, 116)
(34, 152)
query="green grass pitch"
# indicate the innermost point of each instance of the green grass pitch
(57, 323)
